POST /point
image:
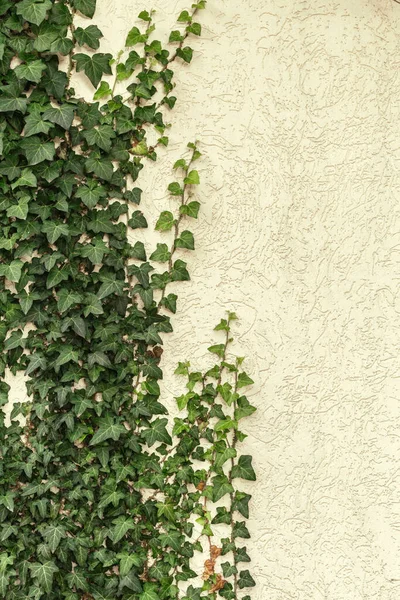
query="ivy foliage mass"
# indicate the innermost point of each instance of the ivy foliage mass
(98, 496)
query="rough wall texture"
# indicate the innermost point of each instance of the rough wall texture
(296, 106)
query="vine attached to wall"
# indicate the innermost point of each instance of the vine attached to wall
(97, 495)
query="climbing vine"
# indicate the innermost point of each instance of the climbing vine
(97, 494)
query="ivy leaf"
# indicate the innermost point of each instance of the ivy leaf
(191, 209)
(95, 253)
(94, 66)
(44, 574)
(77, 579)
(157, 433)
(66, 299)
(103, 91)
(110, 286)
(185, 53)
(100, 136)
(99, 358)
(149, 592)
(46, 35)
(66, 355)
(13, 271)
(108, 429)
(89, 36)
(241, 555)
(135, 37)
(100, 167)
(240, 530)
(179, 271)
(243, 380)
(185, 240)
(121, 526)
(11, 104)
(62, 115)
(161, 254)
(8, 501)
(165, 221)
(127, 561)
(36, 361)
(245, 580)
(241, 503)
(54, 230)
(27, 179)
(20, 210)
(31, 71)
(33, 11)
(228, 569)
(36, 151)
(86, 7)
(192, 178)
(90, 194)
(244, 469)
(172, 539)
(221, 487)
(34, 122)
(137, 220)
(93, 306)
(53, 535)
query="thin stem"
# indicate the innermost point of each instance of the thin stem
(73, 39)
(233, 445)
(120, 53)
(178, 222)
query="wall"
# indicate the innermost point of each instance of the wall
(296, 106)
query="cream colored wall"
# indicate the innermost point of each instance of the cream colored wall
(296, 107)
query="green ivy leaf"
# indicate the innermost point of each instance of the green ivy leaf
(244, 469)
(100, 136)
(94, 66)
(150, 592)
(31, 71)
(191, 209)
(192, 178)
(19, 210)
(33, 11)
(36, 151)
(179, 271)
(157, 433)
(89, 36)
(66, 354)
(245, 580)
(95, 253)
(108, 429)
(53, 534)
(90, 194)
(12, 271)
(12, 104)
(135, 37)
(62, 115)
(54, 230)
(34, 122)
(221, 487)
(185, 240)
(121, 527)
(185, 53)
(86, 7)
(161, 254)
(44, 574)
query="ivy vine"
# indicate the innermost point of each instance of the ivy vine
(98, 497)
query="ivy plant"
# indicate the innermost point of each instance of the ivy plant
(95, 496)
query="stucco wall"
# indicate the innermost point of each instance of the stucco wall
(296, 107)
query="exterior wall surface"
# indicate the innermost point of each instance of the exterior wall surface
(296, 104)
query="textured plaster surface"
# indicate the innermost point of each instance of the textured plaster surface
(296, 107)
